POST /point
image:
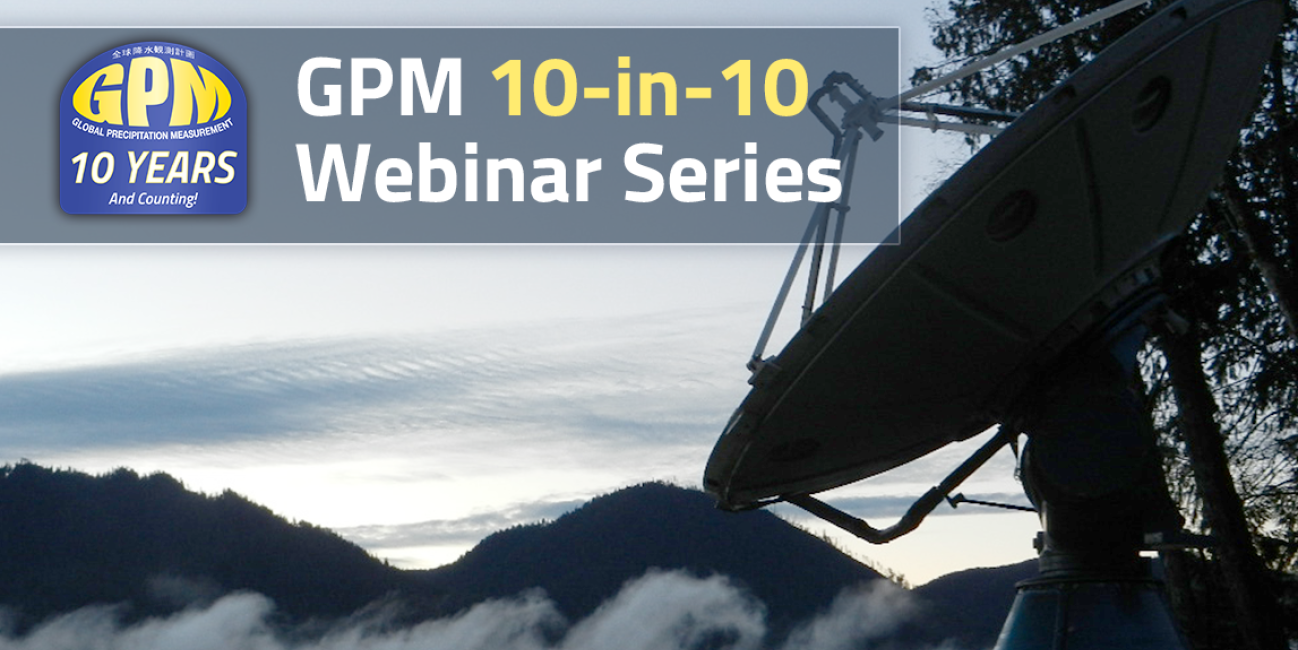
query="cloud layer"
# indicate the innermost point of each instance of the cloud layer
(659, 611)
(622, 377)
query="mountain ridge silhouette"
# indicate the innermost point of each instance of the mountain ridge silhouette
(150, 547)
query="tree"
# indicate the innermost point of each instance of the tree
(1224, 384)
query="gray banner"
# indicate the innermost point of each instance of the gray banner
(287, 145)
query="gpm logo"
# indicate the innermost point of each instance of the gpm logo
(200, 95)
(153, 128)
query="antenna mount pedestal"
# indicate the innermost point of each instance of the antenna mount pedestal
(1091, 466)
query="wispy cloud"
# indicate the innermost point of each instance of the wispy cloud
(858, 617)
(459, 531)
(621, 380)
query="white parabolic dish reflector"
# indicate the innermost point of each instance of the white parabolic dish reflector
(1053, 227)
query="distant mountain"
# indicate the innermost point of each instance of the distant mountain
(971, 605)
(584, 557)
(68, 540)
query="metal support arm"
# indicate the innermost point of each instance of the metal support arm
(918, 511)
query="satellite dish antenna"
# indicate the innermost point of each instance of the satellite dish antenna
(1018, 296)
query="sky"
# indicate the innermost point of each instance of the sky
(417, 398)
